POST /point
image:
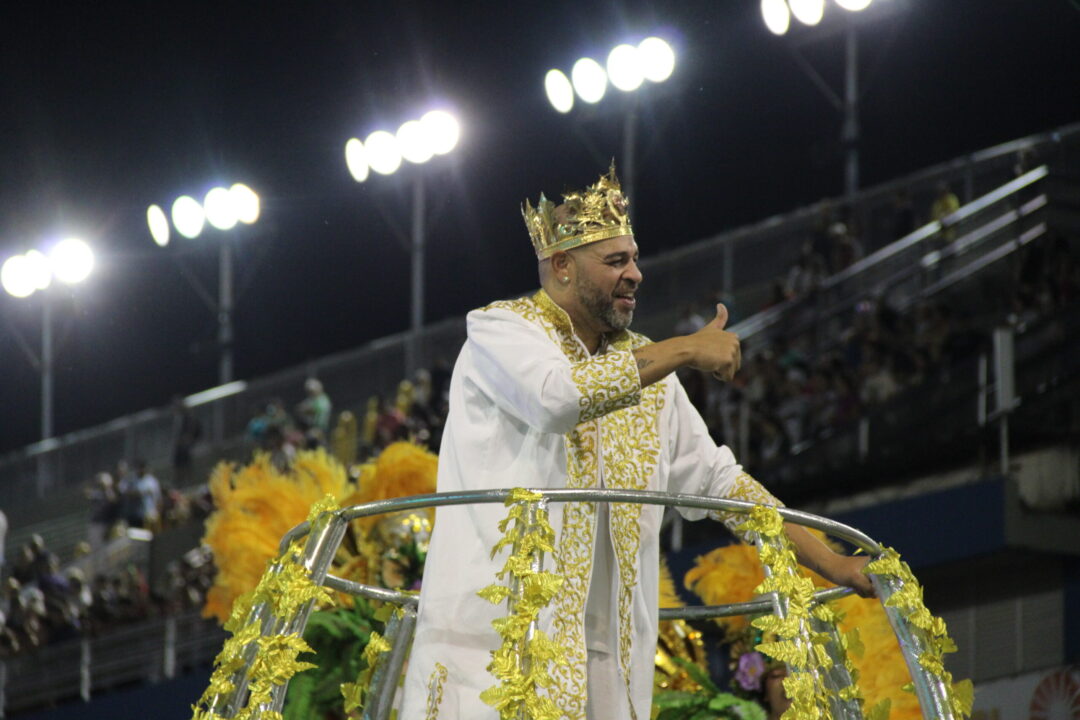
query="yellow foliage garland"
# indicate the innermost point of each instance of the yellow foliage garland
(521, 663)
(284, 589)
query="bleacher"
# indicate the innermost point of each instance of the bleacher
(1001, 214)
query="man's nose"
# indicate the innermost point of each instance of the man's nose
(633, 273)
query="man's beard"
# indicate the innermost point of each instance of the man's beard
(601, 306)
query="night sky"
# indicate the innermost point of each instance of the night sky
(106, 108)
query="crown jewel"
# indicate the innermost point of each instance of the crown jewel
(597, 213)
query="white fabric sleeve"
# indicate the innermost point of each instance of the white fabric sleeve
(526, 374)
(700, 467)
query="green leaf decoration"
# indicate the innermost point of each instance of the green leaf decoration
(679, 699)
(697, 674)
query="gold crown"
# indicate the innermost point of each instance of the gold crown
(596, 214)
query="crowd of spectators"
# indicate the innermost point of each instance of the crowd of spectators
(43, 603)
(415, 411)
(132, 497)
(807, 387)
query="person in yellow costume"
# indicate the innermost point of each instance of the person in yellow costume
(554, 391)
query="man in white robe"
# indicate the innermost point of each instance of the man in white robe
(553, 391)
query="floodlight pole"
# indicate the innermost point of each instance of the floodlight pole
(225, 310)
(629, 157)
(46, 366)
(416, 314)
(850, 133)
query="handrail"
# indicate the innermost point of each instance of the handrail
(325, 533)
(768, 318)
(649, 497)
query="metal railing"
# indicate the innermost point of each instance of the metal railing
(146, 651)
(918, 265)
(325, 535)
(740, 264)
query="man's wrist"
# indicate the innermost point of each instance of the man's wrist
(682, 350)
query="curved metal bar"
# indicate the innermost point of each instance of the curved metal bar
(753, 607)
(468, 497)
(371, 592)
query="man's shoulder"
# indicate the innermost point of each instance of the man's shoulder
(629, 340)
(519, 306)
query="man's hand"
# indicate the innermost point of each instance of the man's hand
(714, 349)
(711, 349)
(847, 570)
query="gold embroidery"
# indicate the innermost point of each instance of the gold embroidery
(607, 383)
(574, 558)
(624, 418)
(631, 449)
(749, 489)
(435, 691)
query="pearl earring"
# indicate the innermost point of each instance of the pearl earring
(564, 279)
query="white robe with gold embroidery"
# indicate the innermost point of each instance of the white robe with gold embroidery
(529, 407)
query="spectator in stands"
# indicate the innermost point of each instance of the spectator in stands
(391, 424)
(3, 539)
(777, 295)
(1065, 276)
(186, 432)
(281, 448)
(845, 249)
(806, 274)
(690, 320)
(903, 217)
(1024, 162)
(879, 383)
(945, 204)
(440, 381)
(27, 618)
(273, 415)
(146, 498)
(32, 562)
(104, 508)
(314, 413)
(369, 428)
(23, 567)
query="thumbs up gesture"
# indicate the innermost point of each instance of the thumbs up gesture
(715, 350)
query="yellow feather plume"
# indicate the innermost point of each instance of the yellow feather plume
(256, 505)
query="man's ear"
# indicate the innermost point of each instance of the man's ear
(560, 264)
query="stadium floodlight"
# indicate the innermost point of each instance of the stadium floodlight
(383, 154)
(414, 142)
(589, 79)
(245, 202)
(188, 216)
(560, 93)
(777, 16)
(16, 278)
(854, 5)
(220, 206)
(443, 131)
(624, 68)
(159, 225)
(808, 12)
(38, 269)
(356, 160)
(656, 58)
(71, 260)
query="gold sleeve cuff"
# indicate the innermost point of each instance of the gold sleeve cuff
(749, 489)
(606, 383)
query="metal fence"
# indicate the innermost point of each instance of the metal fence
(740, 265)
(147, 651)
